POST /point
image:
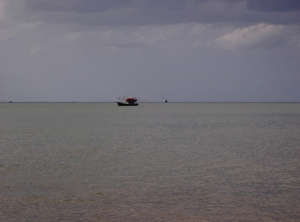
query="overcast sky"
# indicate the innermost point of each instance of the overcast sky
(180, 50)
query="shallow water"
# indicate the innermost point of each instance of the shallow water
(154, 162)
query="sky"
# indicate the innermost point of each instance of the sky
(179, 50)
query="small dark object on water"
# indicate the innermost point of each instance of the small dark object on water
(166, 101)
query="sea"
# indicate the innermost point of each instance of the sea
(153, 162)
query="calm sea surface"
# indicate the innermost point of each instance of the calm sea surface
(155, 162)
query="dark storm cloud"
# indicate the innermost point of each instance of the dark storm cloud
(274, 5)
(151, 12)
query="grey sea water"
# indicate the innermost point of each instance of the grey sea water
(154, 162)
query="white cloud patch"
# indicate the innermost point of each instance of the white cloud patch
(6, 34)
(259, 36)
(31, 25)
(184, 34)
(74, 37)
(35, 50)
(141, 36)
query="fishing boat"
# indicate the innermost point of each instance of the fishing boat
(127, 101)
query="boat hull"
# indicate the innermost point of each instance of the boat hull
(127, 104)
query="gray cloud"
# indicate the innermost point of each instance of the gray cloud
(147, 12)
(274, 5)
(77, 6)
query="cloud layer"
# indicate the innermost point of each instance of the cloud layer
(55, 43)
(145, 12)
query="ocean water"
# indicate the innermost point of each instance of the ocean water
(154, 162)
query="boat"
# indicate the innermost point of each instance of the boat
(127, 101)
